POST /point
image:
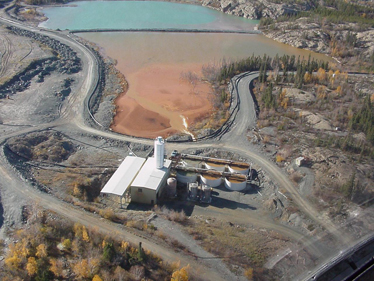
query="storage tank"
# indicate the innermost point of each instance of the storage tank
(192, 190)
(235, 184)
(159, 152)
(211, 180)
(240, 169)
(186, 177)
(172, 187)
(215, 166)
(207, 190)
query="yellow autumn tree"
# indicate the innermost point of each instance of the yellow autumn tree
(81, 269)
(279, 158)
(321, 75)
(41, 251)
(77, 230)
(125, 245)
(97, 278)
(56, 267)
(307, 77)
(66, 244)
(321, 92)
(339, 90)
(13, 261)
(94, 265)
(249, 273)
(181, 275)
(85, 236)
(17, 254)
(31, 266)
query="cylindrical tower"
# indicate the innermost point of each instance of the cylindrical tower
(159, 152)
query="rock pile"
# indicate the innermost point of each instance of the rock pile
(65, 61)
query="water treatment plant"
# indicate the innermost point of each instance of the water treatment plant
(155, 179)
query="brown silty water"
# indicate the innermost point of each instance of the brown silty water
(159, 101)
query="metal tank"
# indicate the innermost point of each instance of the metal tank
(242, 169)
(159, 151)
(192, 190)
(211, 180)
(215, 166)
(172, 187)
(235, 184)
(207, 191)
(186, 177)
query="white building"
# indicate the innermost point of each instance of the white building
(150, 182)
(123, 176)
(145, 178)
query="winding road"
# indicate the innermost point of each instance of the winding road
(73, 114)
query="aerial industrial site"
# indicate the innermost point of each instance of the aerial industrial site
(192, 145)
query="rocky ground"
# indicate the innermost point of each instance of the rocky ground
(326, 38)
(257, 9)
(328, 168)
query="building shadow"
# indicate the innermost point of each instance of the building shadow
(186, 206)
(139, 207)
(222, 203)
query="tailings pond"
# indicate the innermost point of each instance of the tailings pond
(159, 100)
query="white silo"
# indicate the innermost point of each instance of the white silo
(159, 152)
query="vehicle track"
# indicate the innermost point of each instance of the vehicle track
(7, 53)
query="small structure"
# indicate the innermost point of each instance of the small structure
(172, 187)
(206, 194)
(192, 191)
(159, 152)
(300, 161)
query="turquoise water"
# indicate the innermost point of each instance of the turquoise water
(140, 15)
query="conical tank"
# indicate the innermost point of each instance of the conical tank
(159, 152)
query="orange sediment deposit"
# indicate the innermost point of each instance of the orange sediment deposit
(242, 166)
(160, 102)
(215, 164)
(236, 179)
(211, 177)
(133, 119)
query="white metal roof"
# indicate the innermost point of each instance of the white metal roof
(123, 177)
(149, 176)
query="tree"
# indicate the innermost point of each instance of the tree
(321, 75)
(120, 274)
(66, 244)
(56, 267)
(41, 251)
(97, 278)
(181, 275)
(108, 252)
(141, 254)
(81, 269)
(249, 273)
(31, 266)
(348, 187)
(85, 236)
